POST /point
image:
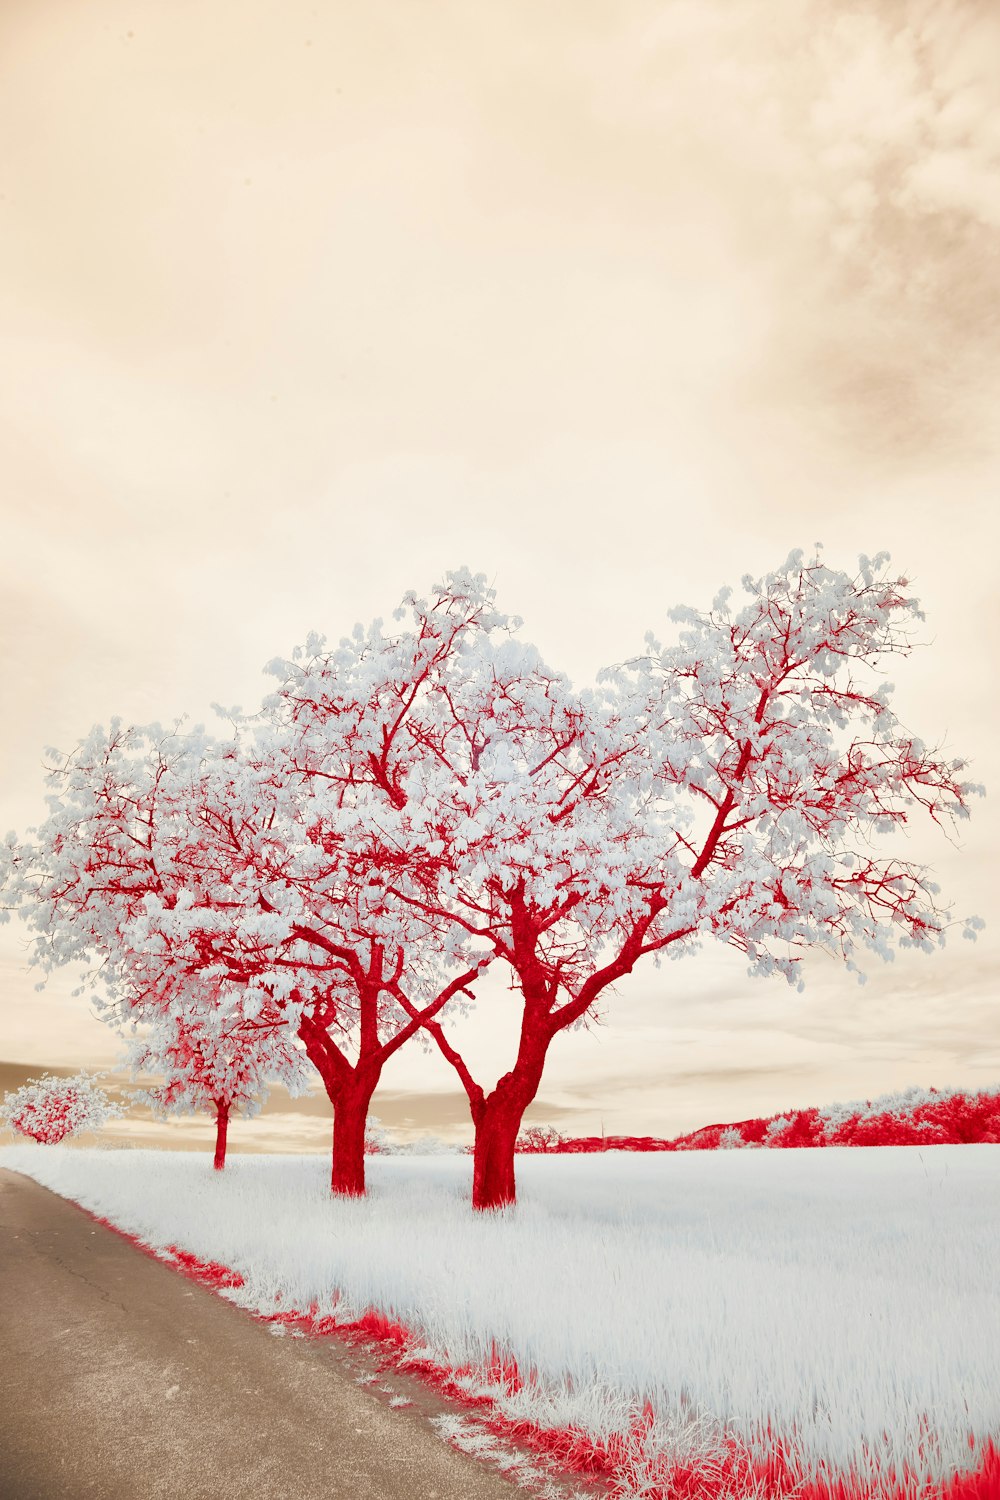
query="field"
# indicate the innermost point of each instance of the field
(702, 1323)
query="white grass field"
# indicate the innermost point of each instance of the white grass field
(846, 1299)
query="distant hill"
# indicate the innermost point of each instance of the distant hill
(913, 1117)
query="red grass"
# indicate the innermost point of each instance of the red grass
(207, 1272)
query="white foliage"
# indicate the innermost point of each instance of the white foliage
(902, 1103)
(51, 1109)
(216, 1056)
(421, 801)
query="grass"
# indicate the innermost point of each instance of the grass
(821, 1322)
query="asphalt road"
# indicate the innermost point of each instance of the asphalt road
(121, 1379)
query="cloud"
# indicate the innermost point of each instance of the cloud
(850, 160)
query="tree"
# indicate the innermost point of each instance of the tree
(539, 1140)
(730, 786)
(216, 1061)
(50, 1109)
(210, 881)
(170, 862)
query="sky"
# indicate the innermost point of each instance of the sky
(302, 305)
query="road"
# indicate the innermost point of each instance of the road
(121, 1379)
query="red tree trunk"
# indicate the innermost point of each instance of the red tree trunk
(349, 1089)
(497, 1122)
(350, 1115)
(221, 1132)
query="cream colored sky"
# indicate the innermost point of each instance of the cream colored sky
(303, 304)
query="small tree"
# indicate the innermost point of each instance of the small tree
(50, 1109)
(215, 1061)
(539, 1140)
